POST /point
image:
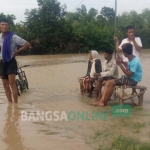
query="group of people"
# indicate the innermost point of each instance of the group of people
(9, 43)
(107, 73)
(97, 72)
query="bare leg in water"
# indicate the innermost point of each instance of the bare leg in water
(108, 91)
(13, 86)
(7, 89)
(90, 86)
(98, 88)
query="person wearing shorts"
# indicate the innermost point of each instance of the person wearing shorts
(8, 44)
(133, 74)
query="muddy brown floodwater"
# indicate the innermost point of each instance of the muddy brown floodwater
(53, 86)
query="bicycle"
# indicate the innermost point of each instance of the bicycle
(22, 82)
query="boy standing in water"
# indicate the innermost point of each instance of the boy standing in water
(8, 44)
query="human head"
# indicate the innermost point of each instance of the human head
(108, 54)
(130, 31)
(127, 49)
(93, 54)
(4, 25)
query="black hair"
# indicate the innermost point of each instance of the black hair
(4, 20)
(127, 48)
(129, 27)
(108, 51)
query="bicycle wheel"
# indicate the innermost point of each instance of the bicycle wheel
(26, 81)
(26, 84)
(18, 87)
(22, 83)
(23, 86)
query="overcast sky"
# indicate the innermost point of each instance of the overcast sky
(18, 7)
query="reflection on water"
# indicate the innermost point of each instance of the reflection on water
(53, 86)
(12, 136)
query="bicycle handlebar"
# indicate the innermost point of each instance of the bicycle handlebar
(23, 66)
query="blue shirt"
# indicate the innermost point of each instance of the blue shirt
(136, 68)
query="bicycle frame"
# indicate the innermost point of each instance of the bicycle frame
(22, 83)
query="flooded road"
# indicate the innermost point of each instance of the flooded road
(53, 86)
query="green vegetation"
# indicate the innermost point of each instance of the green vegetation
(123, 143)
(51, 29)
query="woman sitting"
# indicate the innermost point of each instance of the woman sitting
(94, 66)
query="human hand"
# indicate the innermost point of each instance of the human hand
(87, 77)
(116, 38)
(16, 53)
(132, 36)
(119, 60)
(96, 74)
(125, 64)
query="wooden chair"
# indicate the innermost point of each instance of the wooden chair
(123, 97)
(85, 87)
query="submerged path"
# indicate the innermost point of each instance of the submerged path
(2, 91)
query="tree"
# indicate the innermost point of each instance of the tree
(108, 13)
(92, 12)
(47, 23)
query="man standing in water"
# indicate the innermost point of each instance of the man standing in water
(8, 43)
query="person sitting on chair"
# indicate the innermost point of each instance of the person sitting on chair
(109, 71)
(94, 66)
(133, 74)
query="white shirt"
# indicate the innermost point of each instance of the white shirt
(15, 41)
(109, 69)
(135, 52)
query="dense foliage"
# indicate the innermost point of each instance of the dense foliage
(51, 29)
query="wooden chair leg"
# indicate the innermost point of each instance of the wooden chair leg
(121, 95)
(141, 97)
(132, 98)
(81, 86)
(115, 92)
(139, 94)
